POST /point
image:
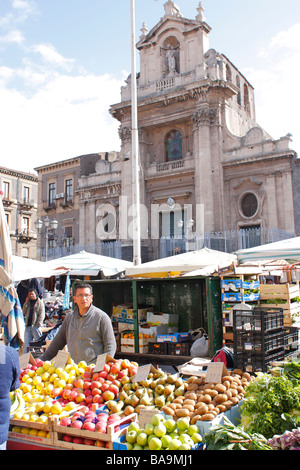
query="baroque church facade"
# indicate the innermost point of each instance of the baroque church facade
(205, 165)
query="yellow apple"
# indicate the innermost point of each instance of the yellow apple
(43, 419)
(70, 406)
(56, 408)
(47, 365)
(34, 417)
(37, 380)
(53, 377)
(61, 383)
(47, 407)
(42, 433)
(26, 417)
(45, 376)
(64, 375)
(33, 432)
(51, 370)
(25, 430)
(18, 414)
(82, 364)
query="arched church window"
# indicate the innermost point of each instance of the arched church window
(238, 84)
(173, 143)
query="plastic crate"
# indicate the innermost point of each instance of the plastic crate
(259, 342)
(259, 319)
(158, 348)
(257, 362)
(179, 349)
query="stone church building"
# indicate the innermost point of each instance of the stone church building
(207, 169)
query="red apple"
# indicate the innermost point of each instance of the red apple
(73, 395)
(95, 384)
(104, 387)
(86, 385)
(96, 391)
(86, 375)
(122, 373)
(117, 383)
(108, 395)
(77, 424)
(100, 428)
(114, 389)
(65, 421)
(80, 397)
(55, 392)
(98, 399)
(106, 367)
(125, 363)
(103, 374)
(88, 426)
(115, 368)
(78, 440)
(87, 392)
(132, 371)
(99, 443)
(111, 377)
(67, 438)
(78, 383)
(89, 442)
(66, 393)
(89, 399)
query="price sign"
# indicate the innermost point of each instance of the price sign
(26, 359)
(215, 372)
(101, 360)
(61, 359)
(145, 416)
(143, 372)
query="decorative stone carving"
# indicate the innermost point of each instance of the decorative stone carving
(204, 117)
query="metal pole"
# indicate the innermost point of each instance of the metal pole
(135, 148)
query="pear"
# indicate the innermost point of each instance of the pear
(180, 390)
(160, 400)
(145, 399)
(110, 404)
(169, 389)
(153, 384)
(128, 410)
(178, 382)
(122, 395)
(162, 380)
(139, 392)
(117, 407)
(159, 389)
(171, 379)
(134, 400)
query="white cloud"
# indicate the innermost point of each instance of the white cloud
(12, 37)
(52, 57)
(277, 95)
(66, 118)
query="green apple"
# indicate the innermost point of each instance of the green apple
(165, 440)
(175, 444)
(137, 447)
(186, 439)
(155, 444)
(149, 428)
(160, 430)
(134, 426)
(131, 437)
(129, 446)
(157, 418)
(196, 437)
(183, 424)
(170, 425)
(192, 429)
(142, 439)
(184, 447)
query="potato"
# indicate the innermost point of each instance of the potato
(238, 372)
(202, 409)
(192, 386)
(190, 396)
(240, 389)
(233, 391)
(222, 408)
(205, 399)
(182, 412)
(246, 375)
(234, 400)
(228, 404)
(188, 402)
(195, 418)
(168, 411)
(227, 384)
(192, 379)
(212, 393)
(228, 393)
(220, 388)
(207, 417)
(209, 386)
(227, 378)
(189, 407)
(221, 398)
(178, 400)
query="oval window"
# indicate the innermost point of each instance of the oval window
(249, 205)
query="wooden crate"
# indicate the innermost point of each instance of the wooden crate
(60, 431)
(285, 292)
(20, 423)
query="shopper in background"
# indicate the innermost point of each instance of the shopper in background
(24, 286)
(34, 313)
(87, 331)
(9, 381)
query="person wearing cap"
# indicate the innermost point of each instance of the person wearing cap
(34, 314)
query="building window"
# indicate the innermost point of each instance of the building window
(249, 205)
(69, 191)
(51, 194)
(25, 194)
(173, 143)
(5, 189)
(68, 237)
(25, 228)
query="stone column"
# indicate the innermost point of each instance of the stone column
(203, 118)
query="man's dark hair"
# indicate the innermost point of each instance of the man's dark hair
(83, 285)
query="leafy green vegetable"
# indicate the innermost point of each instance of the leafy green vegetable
(271, 405)
(227, 436)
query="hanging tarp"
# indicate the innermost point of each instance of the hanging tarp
(288, 250)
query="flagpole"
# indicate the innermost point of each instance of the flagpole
(135, 148)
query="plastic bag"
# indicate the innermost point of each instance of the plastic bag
(199, 347)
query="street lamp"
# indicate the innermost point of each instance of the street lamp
(48, 225)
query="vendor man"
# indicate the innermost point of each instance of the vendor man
(87, 331)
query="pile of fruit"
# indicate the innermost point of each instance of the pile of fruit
(163, 434)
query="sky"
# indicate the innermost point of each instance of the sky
(63, 62)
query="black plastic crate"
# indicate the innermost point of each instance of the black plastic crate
(158, 348)
(259, 320)
(258, 342)
(257, 362)
(179, 349)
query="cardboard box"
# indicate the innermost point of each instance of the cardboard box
(173, 338)
(125, 312)
(156, 319)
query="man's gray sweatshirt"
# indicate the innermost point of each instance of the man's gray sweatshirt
(86, 337)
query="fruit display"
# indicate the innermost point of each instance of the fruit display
(84, 405)
(204, 401)
(163, 434)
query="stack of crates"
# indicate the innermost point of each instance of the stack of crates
(259, 338)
